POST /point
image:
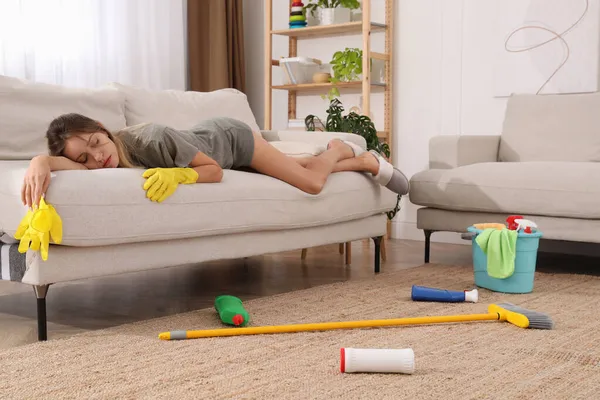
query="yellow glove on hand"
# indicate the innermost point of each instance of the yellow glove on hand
(37, 227)
(162, 182)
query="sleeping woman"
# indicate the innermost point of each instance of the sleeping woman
(171, 157)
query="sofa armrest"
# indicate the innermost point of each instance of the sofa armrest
(452, 151)
(314, 137)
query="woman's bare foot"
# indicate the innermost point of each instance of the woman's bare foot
(346, 150)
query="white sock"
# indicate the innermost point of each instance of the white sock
(386, 171)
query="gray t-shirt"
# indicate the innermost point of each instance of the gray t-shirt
(227, 141)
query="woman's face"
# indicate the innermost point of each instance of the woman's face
(94, 150)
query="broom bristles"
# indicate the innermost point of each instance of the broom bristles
(537, 320)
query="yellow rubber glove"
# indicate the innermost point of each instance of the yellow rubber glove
(162, 182)
(38, 227)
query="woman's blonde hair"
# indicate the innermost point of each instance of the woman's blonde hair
(67, 125)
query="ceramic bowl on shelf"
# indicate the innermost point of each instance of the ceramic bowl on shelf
(321, 77)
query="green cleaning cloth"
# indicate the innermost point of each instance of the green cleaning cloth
(500, 248)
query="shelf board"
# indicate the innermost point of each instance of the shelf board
(325, 30)
(327, 86)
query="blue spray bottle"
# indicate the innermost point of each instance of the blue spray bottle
(423, 293)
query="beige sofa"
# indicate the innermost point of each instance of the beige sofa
(544, 166)
(110, 227)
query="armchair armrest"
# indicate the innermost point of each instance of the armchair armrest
(452, 151)
(317, 137)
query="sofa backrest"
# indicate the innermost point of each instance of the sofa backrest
(182, 110)
(27, 108)
(560, 127)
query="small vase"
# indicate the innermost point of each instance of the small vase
(326, 16)
(330, 16)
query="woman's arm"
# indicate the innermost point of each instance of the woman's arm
(37, 177)
(209, 171)
(59, 163)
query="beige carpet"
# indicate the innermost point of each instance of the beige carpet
(459, 361)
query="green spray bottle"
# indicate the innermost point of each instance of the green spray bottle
(231, 311)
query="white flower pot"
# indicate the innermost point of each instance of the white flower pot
(330, 16)
(312, 21)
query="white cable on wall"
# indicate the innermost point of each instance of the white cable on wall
(556, 36)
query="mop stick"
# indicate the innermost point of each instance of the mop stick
(501, 312)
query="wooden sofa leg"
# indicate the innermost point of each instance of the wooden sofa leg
(427, 244)
(348, 253)
(303, 254)
(341, 248)
(377, 262)
(40, 294)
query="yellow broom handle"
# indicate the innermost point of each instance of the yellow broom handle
(323, 326)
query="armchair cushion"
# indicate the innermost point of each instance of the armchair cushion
(451, 151)
(561, 127)
(536, 188)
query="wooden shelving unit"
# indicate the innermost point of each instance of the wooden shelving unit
(364, 27)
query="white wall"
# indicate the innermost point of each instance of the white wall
(444, 71)
(443, 79)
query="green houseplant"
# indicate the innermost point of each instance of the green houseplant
(346, 66)
(351, 123)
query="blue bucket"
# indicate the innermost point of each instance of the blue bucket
(521, 281)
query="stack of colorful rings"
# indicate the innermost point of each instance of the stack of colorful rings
(297, 16)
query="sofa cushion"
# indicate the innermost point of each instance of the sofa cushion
(563, 127)
(108, 206)
(27, 108)
(184, 109)
(560, 189)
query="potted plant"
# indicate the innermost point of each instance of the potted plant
(351, 123)
(332, 11)
(347, 66)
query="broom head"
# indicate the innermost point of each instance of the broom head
(521, 317)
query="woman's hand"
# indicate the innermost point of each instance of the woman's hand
(36, 182)
(37, 178)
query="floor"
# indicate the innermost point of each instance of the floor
(106, 302)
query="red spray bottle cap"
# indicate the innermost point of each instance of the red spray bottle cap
(238, 319)
(510, 221)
